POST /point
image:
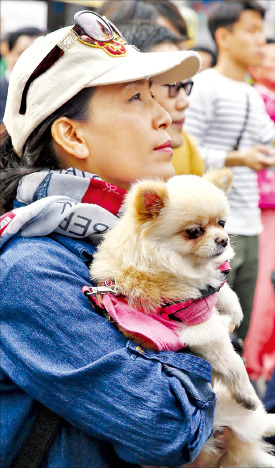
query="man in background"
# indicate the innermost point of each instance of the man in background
(11, 48)
(229, 121)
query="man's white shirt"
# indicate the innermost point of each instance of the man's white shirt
(216, 116)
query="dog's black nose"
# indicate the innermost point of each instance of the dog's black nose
(222, 241)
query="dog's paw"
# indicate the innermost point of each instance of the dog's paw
(236, 314)
(235, 309)
(228, 304)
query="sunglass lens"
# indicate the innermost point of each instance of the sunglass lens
(94, 27)
(188, 87)
(173, 90)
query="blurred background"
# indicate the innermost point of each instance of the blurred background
(52, 14)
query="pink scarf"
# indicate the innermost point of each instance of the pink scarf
(161, 329)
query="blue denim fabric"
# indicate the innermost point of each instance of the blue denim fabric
(152, 407)
(269, 396)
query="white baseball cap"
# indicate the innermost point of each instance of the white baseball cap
(82, 65)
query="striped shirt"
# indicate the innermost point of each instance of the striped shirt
(216, 117)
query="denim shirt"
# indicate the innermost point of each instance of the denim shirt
(153, 408)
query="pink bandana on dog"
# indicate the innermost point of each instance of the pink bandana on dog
(159, 329)
(162, 328)
(162, 333)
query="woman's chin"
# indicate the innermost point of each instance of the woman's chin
(170, 173)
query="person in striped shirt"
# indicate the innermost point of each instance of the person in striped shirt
(228, 119)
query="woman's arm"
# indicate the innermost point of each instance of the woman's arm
(59, 351)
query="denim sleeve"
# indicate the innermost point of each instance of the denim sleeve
(155, 408)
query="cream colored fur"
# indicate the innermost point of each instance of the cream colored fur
(167, 247)
(247, 448)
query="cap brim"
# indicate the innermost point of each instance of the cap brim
(162, 67)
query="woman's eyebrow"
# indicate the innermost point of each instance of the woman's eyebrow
(135, 83)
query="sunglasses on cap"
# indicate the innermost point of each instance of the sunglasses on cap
(91, 29)
(175, 88)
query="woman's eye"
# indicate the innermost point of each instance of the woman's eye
(221, 223)
(195, 232)
(136, 97)
(153, 96)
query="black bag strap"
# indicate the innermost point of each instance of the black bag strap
(41, 435)
(236, 146)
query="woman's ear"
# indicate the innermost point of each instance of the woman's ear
(66, 133)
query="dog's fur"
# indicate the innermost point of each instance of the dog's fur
(167, 247)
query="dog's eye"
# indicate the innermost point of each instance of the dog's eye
(195, 232)
(221, 223)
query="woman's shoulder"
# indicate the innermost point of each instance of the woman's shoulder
(51, 248)
(36, 264)
(25, 252)
(187, 159)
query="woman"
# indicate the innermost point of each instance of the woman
(148, 36)
(83, 125)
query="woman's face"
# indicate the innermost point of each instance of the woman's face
(126, 135)
(175, 106)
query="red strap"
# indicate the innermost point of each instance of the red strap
(107, 196)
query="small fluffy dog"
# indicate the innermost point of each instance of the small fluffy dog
(166, 257)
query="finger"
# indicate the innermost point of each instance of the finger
(99, 299)
(223, 436)
(263, 149)
(265, 161)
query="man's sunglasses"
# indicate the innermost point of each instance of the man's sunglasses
(89, 27)
(175, 88)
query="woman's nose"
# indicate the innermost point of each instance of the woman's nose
(182, 101)
(162, 118)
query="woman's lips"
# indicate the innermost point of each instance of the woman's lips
(178, 123)
(165, 148)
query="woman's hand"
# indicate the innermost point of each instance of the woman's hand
(204, 460)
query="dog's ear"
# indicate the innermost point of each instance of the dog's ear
(150, 198)
(222, 178)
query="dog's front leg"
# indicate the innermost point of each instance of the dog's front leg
(211, 341)
(228, 304)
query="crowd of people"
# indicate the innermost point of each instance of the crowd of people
(87, 110)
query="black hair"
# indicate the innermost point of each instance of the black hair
(38, 152)
(125, 10)
(170, 11)
(146, 34)
(225, 14)
(121, 11)
(209, 51)
(12, 37)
